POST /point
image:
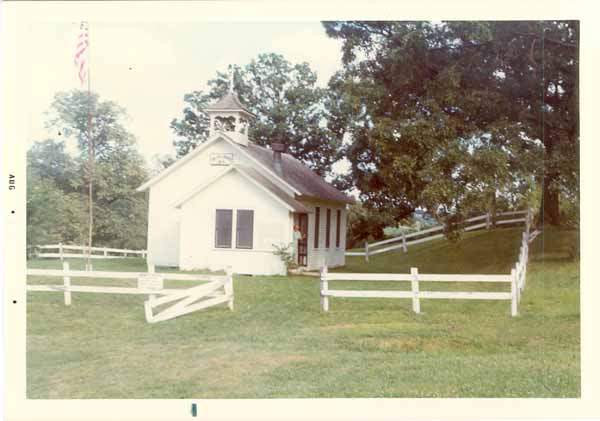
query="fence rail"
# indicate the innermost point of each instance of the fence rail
(186, 300)
(105, 252)
(516, 278)
(405, 240)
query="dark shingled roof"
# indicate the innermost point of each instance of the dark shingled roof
(298, 175)
(268, 184)
(229, 101)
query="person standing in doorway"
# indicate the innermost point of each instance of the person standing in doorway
(296, 237)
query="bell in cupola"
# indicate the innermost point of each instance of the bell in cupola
(230, 117)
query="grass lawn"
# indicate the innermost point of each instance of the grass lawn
(279, 344)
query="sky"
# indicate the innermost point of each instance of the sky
(148, 67)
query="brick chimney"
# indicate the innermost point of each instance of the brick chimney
(278, 148)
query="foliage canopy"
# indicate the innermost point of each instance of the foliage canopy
(57, 181)
(287, 102)
(451, 116)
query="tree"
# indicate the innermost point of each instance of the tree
(120, 212)
(288, 105)
(69, 115)
(55, 210)
(541, 64)
(192, 129)
(449, 116)
(365, 225)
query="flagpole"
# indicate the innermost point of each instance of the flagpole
(90, 150)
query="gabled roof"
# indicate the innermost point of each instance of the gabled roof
(272, 187)
(307, 182)
(294, 174)
(255, 177)
(220, 135)
(229, 102)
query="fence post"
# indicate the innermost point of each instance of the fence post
(105, 252)
(60, 251)
(151, 297)
(487, 221)
(513, 293)
(404, 243)
(229, 286)
(324, 289)
(367, 251)
(525, 260)
(519, 273)
(414, 272)
(67, 284)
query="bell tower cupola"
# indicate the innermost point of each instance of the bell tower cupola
(229, 116)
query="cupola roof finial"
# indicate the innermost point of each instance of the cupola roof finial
(230, 79)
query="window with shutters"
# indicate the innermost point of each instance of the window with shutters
(338, 227)
(223, 222)
(244, 229)
(328, 229)
(317, 220)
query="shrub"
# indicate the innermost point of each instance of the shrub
(453, 226)
(286, 254)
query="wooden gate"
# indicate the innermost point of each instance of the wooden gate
(189, 300)
(217, 289)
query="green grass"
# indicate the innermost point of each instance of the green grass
(278, 343)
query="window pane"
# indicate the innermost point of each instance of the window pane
(223, 228)
(245, 229)
(317, 220)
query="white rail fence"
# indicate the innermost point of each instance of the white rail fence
(520, 269)
(183, 300)
(516, 278)
(405, 240)
(61, 252)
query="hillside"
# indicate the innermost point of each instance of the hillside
(477, 252)
(277, 342)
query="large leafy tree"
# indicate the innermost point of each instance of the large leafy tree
(453, 116)
(119, 211)
(55, 210)
(287, 102)
(541, 64)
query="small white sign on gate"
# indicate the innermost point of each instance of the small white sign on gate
(150, 281)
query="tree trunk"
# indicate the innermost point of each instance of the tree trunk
(549, 210)
(493, 211)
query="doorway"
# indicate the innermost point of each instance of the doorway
(302, 246)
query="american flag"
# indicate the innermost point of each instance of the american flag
(81, 52)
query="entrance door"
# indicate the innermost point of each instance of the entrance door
(303, 240)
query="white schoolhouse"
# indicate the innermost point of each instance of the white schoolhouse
(230, 200)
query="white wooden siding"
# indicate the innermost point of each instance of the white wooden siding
(272, 225)
(185, 237)
(163, 219)
(320, 256)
